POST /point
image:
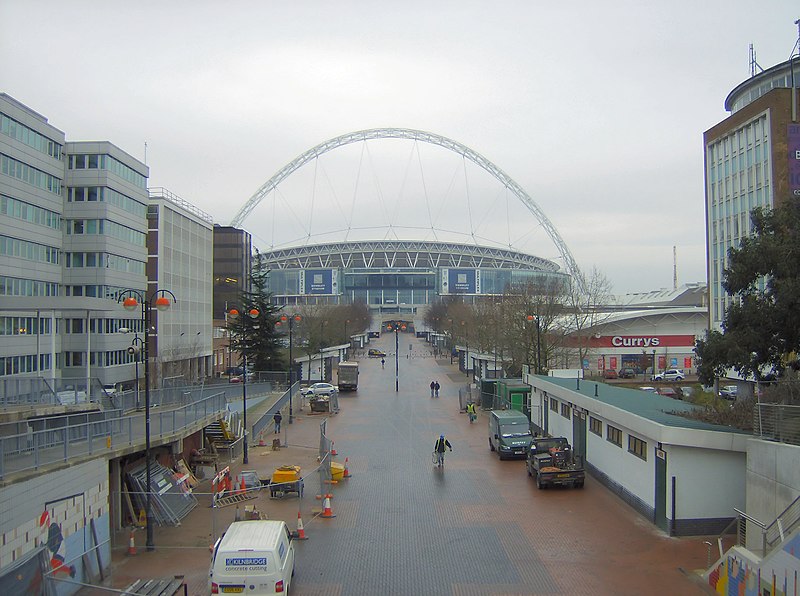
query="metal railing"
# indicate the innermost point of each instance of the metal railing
(772, 535)
(263, 422)
(777, 422)
(36, 448)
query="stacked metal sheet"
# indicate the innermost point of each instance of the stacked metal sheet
(171, 498)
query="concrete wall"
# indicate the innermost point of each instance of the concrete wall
(54, 512)
(773, 482)
(710, 482)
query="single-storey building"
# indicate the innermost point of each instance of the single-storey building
(684, 475)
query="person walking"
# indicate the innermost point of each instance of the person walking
(383, 362)
(433, 387)
(436, 388)
(277, 419)
(439, 448)
(471, 412)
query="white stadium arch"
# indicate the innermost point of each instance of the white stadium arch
(425, 137)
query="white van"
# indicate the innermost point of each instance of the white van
(253, 557)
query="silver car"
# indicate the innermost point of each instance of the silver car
(319, 390)
(672, 374)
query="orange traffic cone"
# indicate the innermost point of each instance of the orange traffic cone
(346, 471)
(242, 486)
(131, 545)
(326, 512)
(301, 533)
(333, 449)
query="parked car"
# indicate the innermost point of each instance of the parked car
(609, 373)
(686, 391)
(671, 374)
(627, 373)
(730, 392)
(373, 353)
(648, 389)
(319, 390)
(670, 392)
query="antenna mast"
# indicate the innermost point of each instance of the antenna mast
(754, 66)
(674, 268)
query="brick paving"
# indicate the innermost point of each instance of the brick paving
(477, 527)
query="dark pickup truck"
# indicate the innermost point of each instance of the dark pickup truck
(551, 461)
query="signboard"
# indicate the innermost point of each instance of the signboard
(460, 281)
(793, 144)
(637, 343)
(687, 362)
(319, 281)
(613, 362)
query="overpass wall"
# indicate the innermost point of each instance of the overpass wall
(55, 518)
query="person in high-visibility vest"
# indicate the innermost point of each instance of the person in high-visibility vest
(471, 412)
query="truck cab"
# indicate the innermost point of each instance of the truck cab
(551, 462)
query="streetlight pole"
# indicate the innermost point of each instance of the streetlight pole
(452, 341)
(252, 314)
(466, 339)
(135, 350)
(397, 326)
(530, 318)
(291, 320)
(130, 300)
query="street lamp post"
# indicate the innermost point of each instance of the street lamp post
(452, 341)
(346, 338)
(135, 350)
(530, 318)
(466, 339)
(291, 320)
(252, 314)
(397, 326)
(130, 300)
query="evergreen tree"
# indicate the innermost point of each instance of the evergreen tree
(762, 327)
(255, 335)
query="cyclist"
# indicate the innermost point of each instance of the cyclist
(439, 448)
(471, 412)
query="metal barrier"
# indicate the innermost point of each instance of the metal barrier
(262, 424)
(36, 448)
(777, 422)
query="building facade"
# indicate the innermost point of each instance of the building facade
(751, 160)
(79, 227)
(181, 239)
(72, 236)
(393, 277)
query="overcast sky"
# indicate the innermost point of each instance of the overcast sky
(596, 109)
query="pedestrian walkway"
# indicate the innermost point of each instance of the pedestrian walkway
(402, 526)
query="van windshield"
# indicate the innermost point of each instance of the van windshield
(515, 430)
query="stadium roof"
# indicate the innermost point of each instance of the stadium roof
(381, 254)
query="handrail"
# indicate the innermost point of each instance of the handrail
(34, 449)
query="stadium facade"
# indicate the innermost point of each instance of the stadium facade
(400, 276)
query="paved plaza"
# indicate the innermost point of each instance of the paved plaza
(402, 526)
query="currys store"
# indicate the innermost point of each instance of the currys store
(647, 342)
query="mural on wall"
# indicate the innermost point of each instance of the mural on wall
(56, 546)
(777, 574)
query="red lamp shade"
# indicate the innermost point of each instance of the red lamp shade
(130, 303)
(530, 317)
(233, 312)
(254, 312)
(162, 303)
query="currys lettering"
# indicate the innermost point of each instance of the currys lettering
(634, 342)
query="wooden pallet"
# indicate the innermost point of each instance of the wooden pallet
(236, 499)
(156, 587)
